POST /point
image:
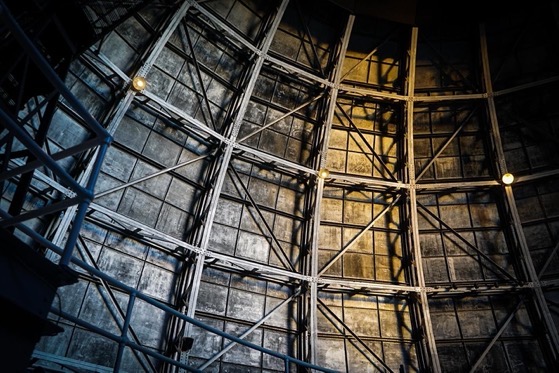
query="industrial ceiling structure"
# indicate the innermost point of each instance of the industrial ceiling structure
(273, 186)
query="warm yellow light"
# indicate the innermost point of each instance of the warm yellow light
(508, 178)
(323, 173)
(139, 83)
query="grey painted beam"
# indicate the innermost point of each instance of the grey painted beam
(429, 344)
(225, 159)
(543, 309)
(325, 136)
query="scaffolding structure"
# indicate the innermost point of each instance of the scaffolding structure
(296, 188)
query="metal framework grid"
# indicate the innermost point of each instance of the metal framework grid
(211, 226)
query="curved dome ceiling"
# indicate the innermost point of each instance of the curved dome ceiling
(425, 12)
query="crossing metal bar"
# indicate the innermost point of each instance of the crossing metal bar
(124, 333)
(111, 299)
(164, 38)
(102, 139)
(129, 290)
(346, 328)
(248, 331)
(184, 31)
(303, 105)
(496, 337)
(83, 206)
(359, 235)
(162, 237)
(445, 144)
(277, 248)
(375, 49)
(51, 159)
(42, 158)
(46, 210)
(548, 260)
(151, 176)
(470, 245)
(308, 33)
(139, 295)
(48, 180)
(375, 155)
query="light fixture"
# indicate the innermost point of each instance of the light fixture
(139, 83)
(507, 178)
(323, 173)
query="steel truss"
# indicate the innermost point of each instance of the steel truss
(225, 150)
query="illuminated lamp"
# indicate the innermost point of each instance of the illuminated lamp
(323, 173)
(507, 178)
(139, 83)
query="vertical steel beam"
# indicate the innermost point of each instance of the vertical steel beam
(492, 111)
(335, 88)
(313, 316)
(550, 328)
(124, 335)
(225, 159)
(552, 336)
(313, 286)
(429, 339)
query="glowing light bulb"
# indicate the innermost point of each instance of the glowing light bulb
(323, 173)
(507, 178)
(139, 83)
